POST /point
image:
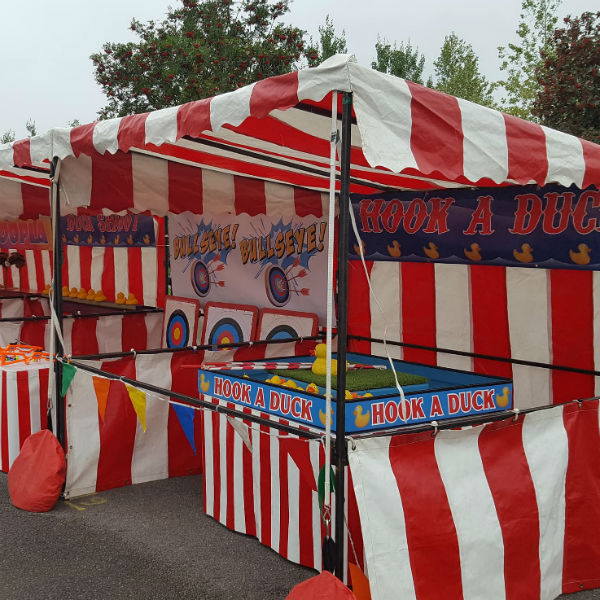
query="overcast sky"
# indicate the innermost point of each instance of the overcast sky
(45, 46)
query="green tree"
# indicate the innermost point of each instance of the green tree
(519, 60)
(7, 137)
(329, 43)
(457, 72)
(403, 61)
(201, 48)
(569, 79)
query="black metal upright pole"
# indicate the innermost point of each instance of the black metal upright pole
(57, 303)
(342, 332)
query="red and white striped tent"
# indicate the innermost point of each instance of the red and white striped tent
(265, 148)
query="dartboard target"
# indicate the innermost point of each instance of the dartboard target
(282, 332)
(178, 330)
(277, 285)
(200, 278)
(225, 331)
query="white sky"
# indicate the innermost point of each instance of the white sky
(47, 75)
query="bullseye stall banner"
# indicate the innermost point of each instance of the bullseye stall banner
(128, 230)
(526, 226)
(261, 261)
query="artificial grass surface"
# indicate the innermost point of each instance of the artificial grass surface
(356, 379)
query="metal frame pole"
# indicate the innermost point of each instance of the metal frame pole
(342, 333)
(57, 301)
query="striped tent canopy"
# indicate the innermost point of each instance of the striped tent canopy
(404, 136)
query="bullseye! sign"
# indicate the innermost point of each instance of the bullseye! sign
(267, 262)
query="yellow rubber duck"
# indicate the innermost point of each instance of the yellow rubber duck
(91, 295)
(65, 291)
(431, 250)
(504, 399)
(275, 379)
(131, 299)
(82, 295)
(582, 256)
(120, 299)
(73, 293)
(100, 297)
(47, 289)
(526, 254)
(474, 253)
(394, 250)
(290, 383)
(323, 417)
(361, 420)
(319, 367)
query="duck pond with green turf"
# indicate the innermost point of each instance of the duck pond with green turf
(373, 400)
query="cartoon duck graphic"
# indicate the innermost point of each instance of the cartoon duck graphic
(103, 239)
(76, 239)
(394, 250)
(117, 239)
(323, 417)
(146, 239)
(361, 420)
(64, 238)
(360, 250)
(319, 366)
(582, 256)
(204, 385)
(503, 400)
(526, 254)
(90, 239)
(474, 253)
(313, 388)
(129, 239)
(431, 251)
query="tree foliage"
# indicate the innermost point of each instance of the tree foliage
(519, 60)
(569, 79)
(8, 136)
(457, 72)
(201, 48)
(329, 43)
(402, 61)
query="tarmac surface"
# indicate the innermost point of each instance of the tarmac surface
(149, 541)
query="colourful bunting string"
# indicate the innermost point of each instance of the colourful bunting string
(321, 485)
(185, 414)
(138, 400)
(68, 372)
(242, 431)
(101, 387)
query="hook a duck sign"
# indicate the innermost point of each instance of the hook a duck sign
(524, 226)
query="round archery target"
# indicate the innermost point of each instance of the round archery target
(225, 331)
(178, 330)
(200, 278)
(277, 285)
(282, 332)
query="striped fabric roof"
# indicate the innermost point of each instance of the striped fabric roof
(404, 136)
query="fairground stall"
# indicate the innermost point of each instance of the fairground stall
(453, 274)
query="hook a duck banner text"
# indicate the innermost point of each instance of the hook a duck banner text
(552, 226)
(266, 261)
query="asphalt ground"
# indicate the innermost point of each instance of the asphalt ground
(149, 541)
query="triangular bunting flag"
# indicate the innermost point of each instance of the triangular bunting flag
(185, 414)
(242, 431)
(101, 386)
(360, 584)
(138, 399)
(68, 372)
